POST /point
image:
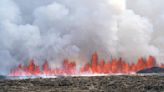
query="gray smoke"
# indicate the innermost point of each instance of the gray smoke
(58, 29)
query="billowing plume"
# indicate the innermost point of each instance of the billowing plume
(58, 29)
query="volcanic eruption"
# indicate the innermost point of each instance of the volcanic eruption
(58, 37)
(96, 66)
(81, 45)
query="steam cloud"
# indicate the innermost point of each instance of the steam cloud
(58, 29)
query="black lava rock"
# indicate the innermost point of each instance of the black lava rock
(2, 77)
(152, 70)
(115, 83)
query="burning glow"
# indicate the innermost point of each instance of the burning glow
(112, 66)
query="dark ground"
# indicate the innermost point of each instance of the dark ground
(120, 83)
(152, 70)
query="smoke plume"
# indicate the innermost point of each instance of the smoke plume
(58, 29)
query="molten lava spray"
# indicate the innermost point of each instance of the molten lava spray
(53, 30)
(94, 67)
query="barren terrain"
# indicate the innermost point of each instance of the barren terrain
(119, 83)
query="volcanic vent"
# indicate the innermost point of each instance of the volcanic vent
(53, 30)
(96, 66)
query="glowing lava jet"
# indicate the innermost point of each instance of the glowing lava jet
(112, 66)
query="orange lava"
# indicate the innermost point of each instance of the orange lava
(94, 67)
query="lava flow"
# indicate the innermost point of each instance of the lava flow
(112, 66)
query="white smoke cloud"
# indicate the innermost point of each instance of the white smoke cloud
(58, 29)
(135, 36)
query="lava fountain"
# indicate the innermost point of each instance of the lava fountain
(113, 66)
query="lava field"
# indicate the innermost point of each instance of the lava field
(114, 83)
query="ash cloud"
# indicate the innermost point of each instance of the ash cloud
(58, 29)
